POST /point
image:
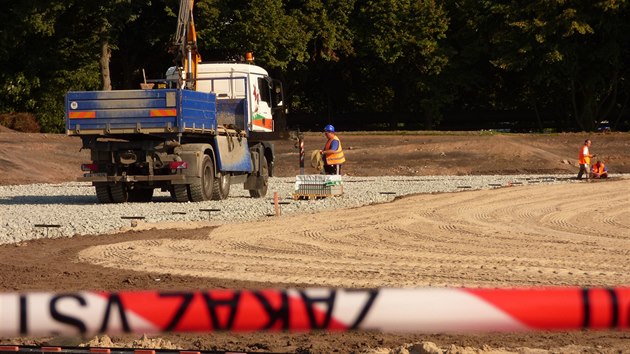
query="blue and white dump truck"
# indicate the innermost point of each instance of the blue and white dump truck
(194, 143)
(202, 129)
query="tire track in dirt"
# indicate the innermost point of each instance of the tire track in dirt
(518, 236)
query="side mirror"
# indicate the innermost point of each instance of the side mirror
(278, 98)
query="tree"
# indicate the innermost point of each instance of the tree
(144, 44)
(401, 40)
(398, 61)
(27, 25)
(320, 82)
(109, 19)
(232, 28)
(572, 51)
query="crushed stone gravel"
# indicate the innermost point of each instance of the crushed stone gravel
(63, 210)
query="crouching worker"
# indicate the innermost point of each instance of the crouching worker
(599, 170)
(332, 153)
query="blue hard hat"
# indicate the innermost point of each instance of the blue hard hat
(329, 128)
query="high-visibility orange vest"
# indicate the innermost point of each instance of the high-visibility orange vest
(336, 158)
(599, 170)
(584, 158)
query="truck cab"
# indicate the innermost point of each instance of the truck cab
(262, 95)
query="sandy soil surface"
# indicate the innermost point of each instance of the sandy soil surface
(575, 234)
(50, 158)
(484, 238)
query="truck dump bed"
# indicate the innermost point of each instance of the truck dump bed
(158, 111)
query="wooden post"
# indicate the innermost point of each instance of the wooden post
(275, 203)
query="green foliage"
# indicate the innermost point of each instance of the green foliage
(16, 92)
(55, 48)
(403, 31)
(24, 23)
(326, 24)
(403, 41)
(260, 26)
(569, 49)
(50, 108)
(414, 62)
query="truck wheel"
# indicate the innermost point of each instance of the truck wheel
(119, 193)
(179, 192)
(103, 194)
(221, 187)
(140, 195)
(201, 189)
(264, 173)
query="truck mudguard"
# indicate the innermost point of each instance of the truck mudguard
(232, 154)
(193, 154)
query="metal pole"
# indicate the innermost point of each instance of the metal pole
(301, 145)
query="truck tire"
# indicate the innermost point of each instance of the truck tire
(119, 193)
(103, 194)
(201, 189)
(264, 173)
(179, 192)
(221, 187)
(140, 195)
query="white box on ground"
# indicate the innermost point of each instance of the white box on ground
(318, 185)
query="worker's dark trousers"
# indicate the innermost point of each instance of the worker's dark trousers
(583, 170)
(332, 169)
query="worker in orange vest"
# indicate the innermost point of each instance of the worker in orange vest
(332, 153)
(585, 159)
(599, 170)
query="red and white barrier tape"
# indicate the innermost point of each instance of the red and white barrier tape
(388, 310)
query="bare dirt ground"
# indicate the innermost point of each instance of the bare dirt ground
(573, 234)
(50, 158)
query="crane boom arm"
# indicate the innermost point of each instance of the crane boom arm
(186, 42)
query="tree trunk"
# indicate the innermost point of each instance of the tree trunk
(106, 54)
(576, 114)
(428, 119)
(539, 123)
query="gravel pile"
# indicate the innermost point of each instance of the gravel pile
(70, 209)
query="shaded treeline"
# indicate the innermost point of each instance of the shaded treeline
(359, 64)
